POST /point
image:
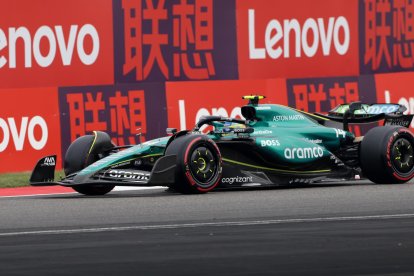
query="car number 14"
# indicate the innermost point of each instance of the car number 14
(340, 133)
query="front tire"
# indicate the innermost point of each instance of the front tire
(199, 164)
(93, 190)
(84, 151)
(386, 155)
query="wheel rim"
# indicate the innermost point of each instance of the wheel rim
(203, 165)
(402, 156)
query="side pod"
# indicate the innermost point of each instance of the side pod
(44, 172)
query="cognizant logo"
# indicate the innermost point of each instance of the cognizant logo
(62, 45)
(237, 179)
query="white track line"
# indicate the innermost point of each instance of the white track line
(37, 195)
(206, 224)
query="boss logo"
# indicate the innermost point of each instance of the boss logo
(270, 143)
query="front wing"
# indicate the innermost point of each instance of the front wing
(162, 174)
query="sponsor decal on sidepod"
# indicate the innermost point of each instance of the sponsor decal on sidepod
(263, 131)
(270, 143)
(315, 141)
(303, 153)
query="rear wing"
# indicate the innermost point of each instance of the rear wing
(359, 113)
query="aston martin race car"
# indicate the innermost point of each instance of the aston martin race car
(272, 145)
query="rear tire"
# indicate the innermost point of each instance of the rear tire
(83, 152)
(199, 164)
(386, 155)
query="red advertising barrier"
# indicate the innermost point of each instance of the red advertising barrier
(137, 66)
(396, 88)
(188, 101)
(386, 36)
(323, 94)
(29, 127)
(123, 111)
(55, 43)
(292, 39)
(174, 40)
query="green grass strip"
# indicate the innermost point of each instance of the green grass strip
(12, 180)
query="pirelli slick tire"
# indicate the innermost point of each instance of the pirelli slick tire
(199, 164)
(94, 190)
(386, 155)
(84, 151)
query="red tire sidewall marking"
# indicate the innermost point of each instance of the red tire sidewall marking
(388, 152)
(186, 167)
(219, 168)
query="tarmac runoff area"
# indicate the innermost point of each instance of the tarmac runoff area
(356, 228)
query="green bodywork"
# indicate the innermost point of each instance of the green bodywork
(151, 149)
(271, 145)
(289, 142)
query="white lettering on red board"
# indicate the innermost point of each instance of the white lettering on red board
(11, 134)
(58, 46)
(277, 35)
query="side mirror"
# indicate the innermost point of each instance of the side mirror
(248, 112)
(171, 131)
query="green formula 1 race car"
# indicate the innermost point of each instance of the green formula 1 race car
(274, 145)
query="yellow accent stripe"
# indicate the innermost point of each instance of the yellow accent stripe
(122, 162)
(309, 114)
(272, 169)
(252, 97)
(151, 155)
(93, 143)
(145, 156)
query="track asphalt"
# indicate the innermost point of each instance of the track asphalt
(353, 229)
